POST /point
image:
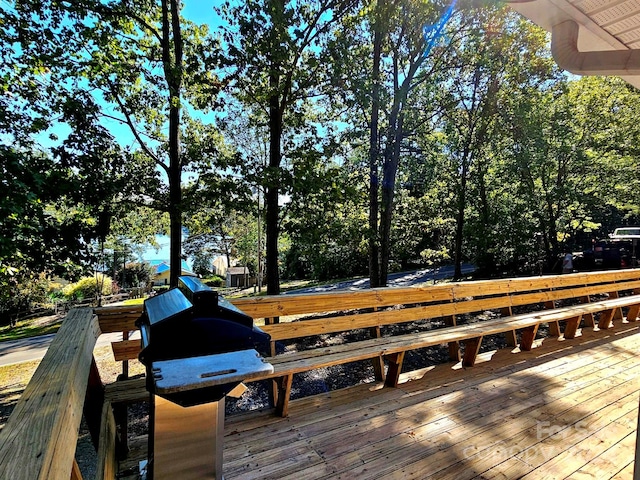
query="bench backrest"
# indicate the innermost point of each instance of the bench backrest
(426, 303)
(349, 310)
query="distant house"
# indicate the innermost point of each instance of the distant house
(239, 277)
(220, 266)
(162, 271)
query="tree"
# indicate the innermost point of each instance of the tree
(50, 217)
(470, 119)
(57, 204)
(604, 109)
(574, 164)
(489, 66)
(391, 60)
(278, 55)
(374, 134)
(325, 218)
(137, 64)
(34, 235)
(140, 44)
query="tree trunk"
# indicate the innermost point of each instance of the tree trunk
(259, 273)
(172, 47)
(374, 250)
(272, 191)
(273, 275)
(486, 261)
(392, 159)
(462, 200)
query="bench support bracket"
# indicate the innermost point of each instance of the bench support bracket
(395, 367)
(606, 319)
(632, 315)
(471, 349)
(572, 327)
(282, 391)
(509, 336)
(529, 335)
(617, 312)
(378, 363)
(589, 321)
(454, 347)
(554, 327)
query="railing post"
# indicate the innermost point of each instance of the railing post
(93, 402)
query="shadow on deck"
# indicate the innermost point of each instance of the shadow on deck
(564, 409)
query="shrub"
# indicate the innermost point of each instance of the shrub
(20, 293)
(88, 287)
(55, 290)
(215, 281)
(433, 257)
(136, 275)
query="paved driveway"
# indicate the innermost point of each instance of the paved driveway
(34, 348)
(402, 279)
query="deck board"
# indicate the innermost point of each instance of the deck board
(566, 409)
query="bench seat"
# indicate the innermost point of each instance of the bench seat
(130, 390)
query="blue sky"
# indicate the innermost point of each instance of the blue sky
(201, 11)
(162, 253)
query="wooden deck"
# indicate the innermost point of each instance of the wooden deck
(566, 409)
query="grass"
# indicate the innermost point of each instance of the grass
(133, 301)
(13, 378)
(32, 327)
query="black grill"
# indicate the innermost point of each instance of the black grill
(193, 321)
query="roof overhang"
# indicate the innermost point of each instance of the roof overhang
(591, 37)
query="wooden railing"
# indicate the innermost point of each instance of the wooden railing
(39, 439)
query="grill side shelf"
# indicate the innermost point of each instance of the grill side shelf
(184, 374)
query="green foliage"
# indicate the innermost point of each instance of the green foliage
(202, 264)
(20, 293)
(483, 150)
(137, 65)
(279, 50)
(325, 222)
(136, 274)
(88, 288)
(215, 281)
(433, 257)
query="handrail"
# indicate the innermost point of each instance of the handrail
(39, 439)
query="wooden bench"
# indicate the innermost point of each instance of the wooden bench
(379, 308)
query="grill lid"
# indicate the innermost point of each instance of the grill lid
(167, 306)
(193, 322)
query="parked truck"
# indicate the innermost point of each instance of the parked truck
(620, 250)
